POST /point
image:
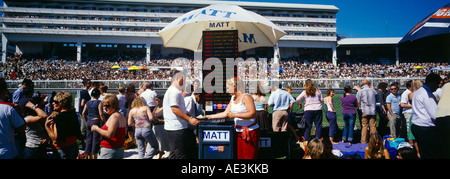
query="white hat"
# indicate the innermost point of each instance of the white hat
(404, 144)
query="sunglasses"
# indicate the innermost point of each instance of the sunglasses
(393, 88)
(107, 105)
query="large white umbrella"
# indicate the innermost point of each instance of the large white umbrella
(253, 29)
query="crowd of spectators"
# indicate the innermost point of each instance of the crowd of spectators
(17, 68)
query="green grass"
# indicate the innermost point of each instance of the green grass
(337, 107)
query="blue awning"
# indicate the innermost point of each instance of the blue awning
(435, 24)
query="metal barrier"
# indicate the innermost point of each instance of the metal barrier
(164, 84)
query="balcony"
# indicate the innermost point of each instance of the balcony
(40, 31)
(20, 10)
(301, 19)
(309, 38)
(63, 22)
(308, 29)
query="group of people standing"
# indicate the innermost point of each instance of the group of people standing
(414, 114)
(167, 123)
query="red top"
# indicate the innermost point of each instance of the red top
(115, 141)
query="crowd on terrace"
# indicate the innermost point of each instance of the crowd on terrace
(17, 68)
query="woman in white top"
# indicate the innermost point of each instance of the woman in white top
(242, 109)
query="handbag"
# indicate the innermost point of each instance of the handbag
(298, 117)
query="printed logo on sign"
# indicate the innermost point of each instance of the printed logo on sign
(442, 13)
(265, 142)
(216, 136)
(216, 148)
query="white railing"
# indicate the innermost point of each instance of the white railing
(78, 32)
(163, 84)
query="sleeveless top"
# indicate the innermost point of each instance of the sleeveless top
(92, 108)
(328, 106)
(240, 108)
(142, 121)
(115, 141)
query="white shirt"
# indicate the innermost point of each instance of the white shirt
(9, 120)
(405, 99)
(424, 108)
(172, 122)
(149, 97)
(240, 108)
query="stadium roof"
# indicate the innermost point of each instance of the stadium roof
(370, 41)
(310, 7)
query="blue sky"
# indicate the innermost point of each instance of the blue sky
(362, 18)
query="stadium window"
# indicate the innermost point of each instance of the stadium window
(71, 45)
(115, 45)
(64, 45)
(133, 46)
(103, 45)
(96, 45)
(109, 46)
(83, 45)
(348, 52)
(128, 46)
(139, 46)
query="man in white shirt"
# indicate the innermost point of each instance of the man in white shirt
(181, 138)
(424, 107)
(10, 122)
(406, 105)
(149, 96)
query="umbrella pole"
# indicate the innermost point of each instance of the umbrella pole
(397, 59)
(276, 54)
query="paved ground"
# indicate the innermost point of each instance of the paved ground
(133, 154)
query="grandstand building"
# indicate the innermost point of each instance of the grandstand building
(85, 29)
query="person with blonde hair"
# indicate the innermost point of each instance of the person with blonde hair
(113, 132)
(315, 150)
(375, 149)
(141, 117)
(64, 128)
(415, 85)
(313, 108)
(242, 109)
(261, 108)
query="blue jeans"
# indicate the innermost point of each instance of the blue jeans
(35, 153)
(349, 121)
(145, 135)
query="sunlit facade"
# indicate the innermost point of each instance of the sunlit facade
(82, 29)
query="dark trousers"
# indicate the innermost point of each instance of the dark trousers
(429, 141)
(316, 117)
(443, 124)
(331, 117)
(92, 138)
(382, 123)
(182, 144)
